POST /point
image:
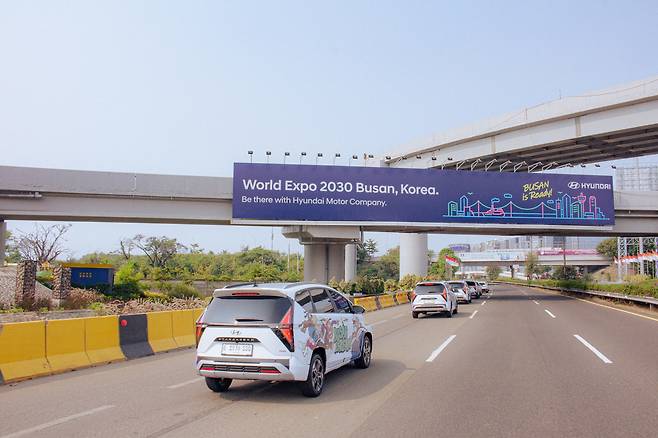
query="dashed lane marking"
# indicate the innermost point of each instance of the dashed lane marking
(438, 351)
(57, 422)
(473, 314)
(188, 382)
(535, 301)
(483, 303)
(593, 350)
(549, 313)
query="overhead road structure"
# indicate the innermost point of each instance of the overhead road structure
(616, 123)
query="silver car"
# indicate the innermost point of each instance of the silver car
(433, 297)
(461, 290)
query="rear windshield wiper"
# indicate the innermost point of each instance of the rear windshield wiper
(248, 320)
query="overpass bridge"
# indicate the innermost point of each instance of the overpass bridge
(552, 257)
(73, 195)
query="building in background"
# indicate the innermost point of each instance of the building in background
(84, 275)
(637, 178)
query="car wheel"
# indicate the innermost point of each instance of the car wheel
(366, 353)
(218, 384)
(314, 383)
(414, 315)
(449, 314)
(456, 310)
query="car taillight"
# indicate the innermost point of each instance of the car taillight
(285, 331)
(413, 296)
(445, 295)
(466, 290)
(200, 327)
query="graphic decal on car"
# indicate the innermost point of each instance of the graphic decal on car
(320, 333)
(357, 337)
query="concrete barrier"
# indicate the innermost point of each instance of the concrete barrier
(102, 339)
(402, 297)
(183, 327)
(133, 336)
(386, 301)
(23, 351)
(368, 303)
(160, 331)
(65, 344)
(197, 314)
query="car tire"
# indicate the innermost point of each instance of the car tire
(414, 315)
(456, 310)
(449, 314)
(363, 361)
(218, 384)
(314, 383)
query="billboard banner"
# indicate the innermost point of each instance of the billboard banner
(332, 194)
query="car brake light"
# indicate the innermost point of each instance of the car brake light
(200, 327)
(285, 330)
(445, 295)
(245, 294)
(413, 296)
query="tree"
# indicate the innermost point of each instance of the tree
(365, 251)
(44, 244)
(565, 273)
(11, 251)
(441, 269)
(532, 267)
(608, 247)
(493, 272)
(125, 248)
(386, 267)
(158, 250)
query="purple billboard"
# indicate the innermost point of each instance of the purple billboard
(297, 193)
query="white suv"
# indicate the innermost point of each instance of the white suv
(461, 291)
(295, 331)
(433, 297)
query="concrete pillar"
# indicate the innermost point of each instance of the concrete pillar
(3, 243)
(413, 254)
(323, 262)
(350, 262)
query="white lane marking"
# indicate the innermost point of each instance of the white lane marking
(483, 303)
(594, 350)
(379, 322)
(188, 382)
(57, 421)
(472, 315)
(398, 316)
(436, 352)
(549, 313)
(535, 301)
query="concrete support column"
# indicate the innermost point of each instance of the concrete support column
(413, 254)
(350, 262)
(324, 261)
(3, 243)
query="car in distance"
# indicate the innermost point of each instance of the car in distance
(484, 286)
(461, 291)
(433, 297)
(475, 288)
(288, 331)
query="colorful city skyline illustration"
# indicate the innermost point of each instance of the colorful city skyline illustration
(562, 207)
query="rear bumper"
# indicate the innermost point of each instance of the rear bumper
(429, 308)
(244, 371)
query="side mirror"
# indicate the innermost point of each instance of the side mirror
(358, 309)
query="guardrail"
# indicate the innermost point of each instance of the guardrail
(649, 301)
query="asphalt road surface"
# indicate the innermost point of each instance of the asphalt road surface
(520, 363)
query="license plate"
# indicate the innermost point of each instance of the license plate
(237, 349)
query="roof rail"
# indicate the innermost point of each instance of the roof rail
(231, 286)
(298, 283)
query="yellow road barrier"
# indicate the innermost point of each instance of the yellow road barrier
(402, 297)
(160, 331)
(102, 339)
(183, 327)
(386, 300)
(367, 303)
(23, 351)
(65, 344)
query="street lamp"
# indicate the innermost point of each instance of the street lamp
(336, 155)
(318, 157)
(268, 153)
(251, 156)
(301, 156)
(285, 154)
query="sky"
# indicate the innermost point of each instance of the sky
(189, 87)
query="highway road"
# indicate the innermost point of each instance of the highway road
(519, 363)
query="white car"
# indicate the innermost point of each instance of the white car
(461, 290)
(433, 297)
(484, 285)
(296, 331)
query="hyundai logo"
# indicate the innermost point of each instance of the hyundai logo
(235, 332)
(574, 185)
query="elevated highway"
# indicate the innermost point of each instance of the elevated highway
(615, 123)
(518, 257)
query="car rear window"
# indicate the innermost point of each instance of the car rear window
(247, 309)
(423, 289)
(456, 286)
(470, 283)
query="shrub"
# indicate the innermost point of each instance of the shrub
(81, 299)
(391, 285)
(175, 290)
(408, 282)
